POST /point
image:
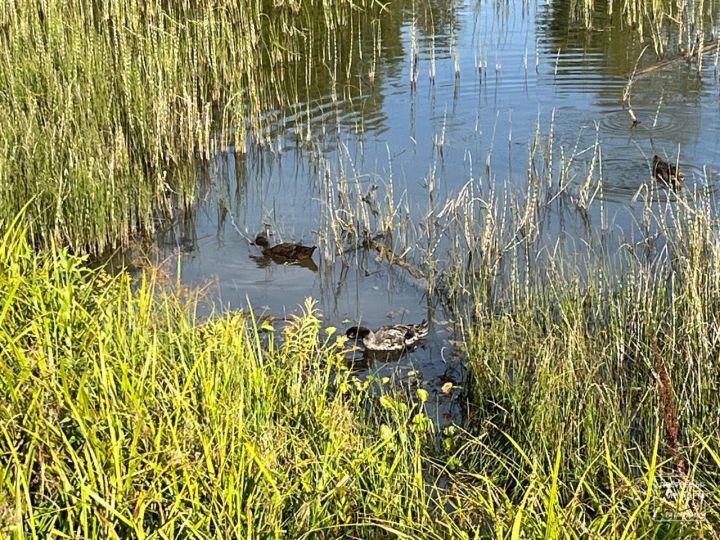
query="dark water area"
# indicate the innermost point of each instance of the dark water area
(449, 93)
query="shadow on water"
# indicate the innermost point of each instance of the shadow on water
(417, 104)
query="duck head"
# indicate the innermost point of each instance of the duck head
(262, 239)
(357, 332)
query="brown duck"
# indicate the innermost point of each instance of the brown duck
(667, 173)
(287, 251)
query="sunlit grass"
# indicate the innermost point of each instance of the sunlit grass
(593, 361)
(123, 415)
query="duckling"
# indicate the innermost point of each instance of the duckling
(395, 337)
(287, 251)
(667, 173)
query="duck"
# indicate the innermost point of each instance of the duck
(286, 251)
(394, 337)
(667, 173)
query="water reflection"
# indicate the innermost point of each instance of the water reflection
(263, 261)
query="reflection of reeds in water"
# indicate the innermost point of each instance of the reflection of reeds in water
(670, 27)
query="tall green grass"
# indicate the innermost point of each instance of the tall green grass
(594, 389)
(593, 357)
(123, 415)
(106, 105)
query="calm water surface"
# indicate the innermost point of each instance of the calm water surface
(502, 71)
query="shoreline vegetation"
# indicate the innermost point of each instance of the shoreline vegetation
(593, 401)
(592, 411)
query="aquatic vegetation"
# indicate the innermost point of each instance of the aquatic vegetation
(105, 121)
(105, 108)
(596, 358)
(666, 30)
(123, 414)
(592, 357)
(592, 403)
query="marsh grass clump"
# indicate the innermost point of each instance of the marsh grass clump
(588, 363)
(106, 106)
(593, 357)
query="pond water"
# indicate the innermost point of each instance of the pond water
(488, 77)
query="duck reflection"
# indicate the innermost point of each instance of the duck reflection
(263, 261)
